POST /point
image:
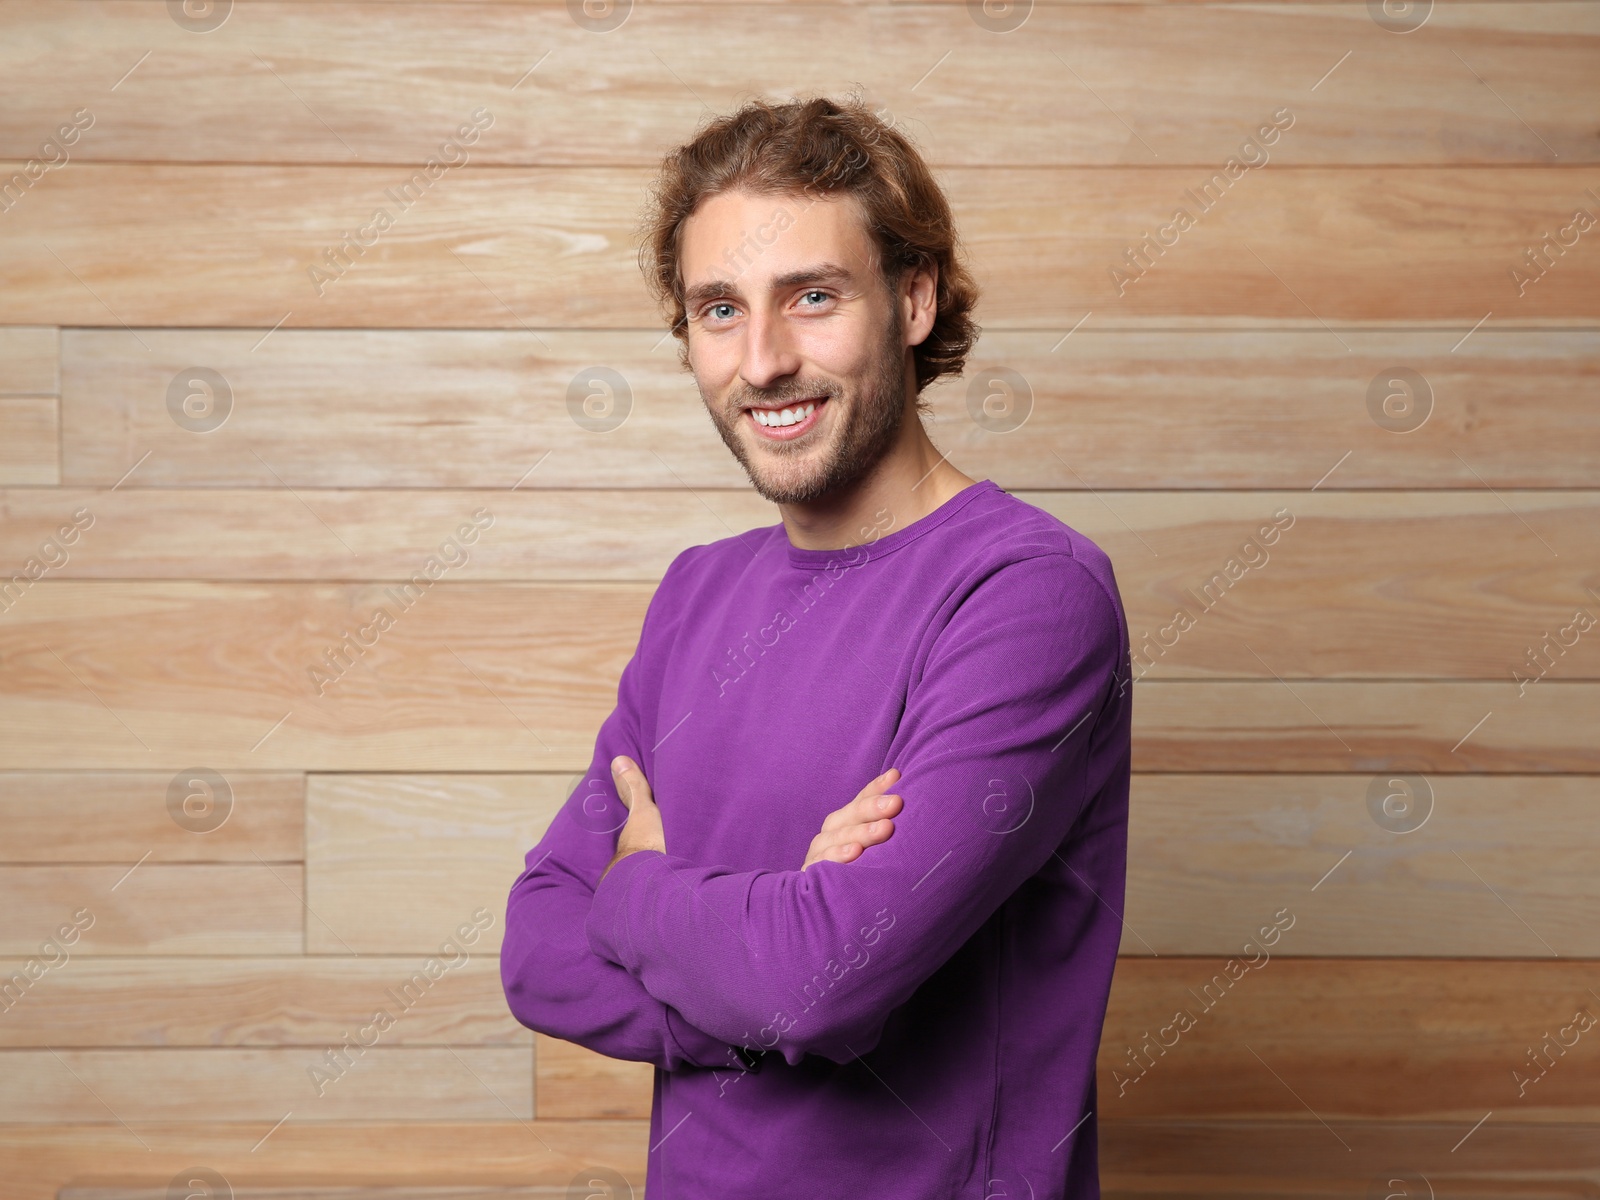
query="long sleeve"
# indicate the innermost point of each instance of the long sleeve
(553, 980)
(999, 760)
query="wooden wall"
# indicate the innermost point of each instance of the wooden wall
(215, 463)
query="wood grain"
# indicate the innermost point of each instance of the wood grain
(1205, 408)
(116, 817)
(371, 534)
(485, 677)
(29, 440)
(1140, 1159)
(518, 247)
(1356, 1038)
(1501, 868)
(1335, 725)
(28, 360)
(496, 1149)
(396, 864)
(1090, 84)
(376, 1083)
(153, 908)
(571, 1082)
(129, 1003)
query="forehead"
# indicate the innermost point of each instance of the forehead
(751, 241)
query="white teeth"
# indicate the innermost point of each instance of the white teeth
(787, 416)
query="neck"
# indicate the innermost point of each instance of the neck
(908, 483)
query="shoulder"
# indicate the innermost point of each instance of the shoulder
(1029, 554)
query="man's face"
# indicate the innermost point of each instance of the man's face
(796, 346)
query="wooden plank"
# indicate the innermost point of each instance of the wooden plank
(1445, 1037)
(392, 859)
(395, 863)
(125, 1003)
(30, 440)
(493, 1150)
(1139, 1159)
(571, 1082)
(1337, 725)
(116, 817)
(476, 408)
(154, 908)
(486, 677)
(29, 359)
(523, 247)
(365, 535)
(1501, 868)
(364, 94)
(330, 1192)
(375, 1083)
(1197, 571)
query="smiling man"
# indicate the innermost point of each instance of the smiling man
(848, 862)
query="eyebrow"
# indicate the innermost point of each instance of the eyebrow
(713, 289)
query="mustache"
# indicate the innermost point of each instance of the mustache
(750, 397)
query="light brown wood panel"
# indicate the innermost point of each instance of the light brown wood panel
(367, 534)
(572, 1082)
(1365, 583)
(483, 677)
(224, 1001)
(28, 360)
(396, 863)
(380, 1082)
(323, 83)
(1333, 725)
(496, 1149)
(1501, 868)
(1396, 1039)
(1140, 1159)
(1215, 407)
(29, 441)
(197, 245)
(314, 1191)
(116, 817)
(153, 908)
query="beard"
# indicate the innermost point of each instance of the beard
(865, 426)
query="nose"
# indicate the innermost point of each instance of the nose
(769, 351)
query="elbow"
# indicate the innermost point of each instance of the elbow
(836, 1026)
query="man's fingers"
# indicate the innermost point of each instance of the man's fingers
(630, 781)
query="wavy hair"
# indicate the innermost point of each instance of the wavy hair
(819, 147)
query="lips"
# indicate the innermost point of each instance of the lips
(784, 433)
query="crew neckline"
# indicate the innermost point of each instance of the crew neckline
(854, 556)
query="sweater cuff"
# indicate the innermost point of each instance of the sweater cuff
(607, 927)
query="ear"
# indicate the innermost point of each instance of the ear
(918, 300)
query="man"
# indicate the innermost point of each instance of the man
(848, 863)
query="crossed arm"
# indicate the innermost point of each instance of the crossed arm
(672, 961)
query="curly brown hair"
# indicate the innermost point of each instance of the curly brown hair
(818, 147)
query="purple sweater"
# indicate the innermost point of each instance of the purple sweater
(918, 1024)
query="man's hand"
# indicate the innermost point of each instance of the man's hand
(643, 829)
(848, 831)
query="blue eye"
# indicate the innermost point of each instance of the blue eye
(818, 292)
(713, 309)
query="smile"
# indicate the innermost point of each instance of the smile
(789, 422)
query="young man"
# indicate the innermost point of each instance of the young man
(848, 863)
